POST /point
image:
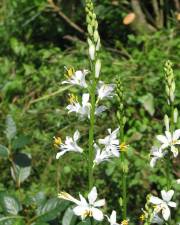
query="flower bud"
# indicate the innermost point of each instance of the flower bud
(90, 30)
(166, 122)
(96, 36)
(98, 44)
(97, 68)
(92, 52)
(175, 115)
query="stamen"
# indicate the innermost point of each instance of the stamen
(124, 222)
(142, 217)
(69, 72)
(57, 142)
(72, 98)
(123, 147)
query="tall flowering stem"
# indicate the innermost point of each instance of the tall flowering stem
(121, 120)
(94, 45)
(170, 92)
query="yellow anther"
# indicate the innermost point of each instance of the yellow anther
(142, 217)
(87, 213)
(57, 142)
(72, 99)
(124, 222)
(69, 72)
(123, 147)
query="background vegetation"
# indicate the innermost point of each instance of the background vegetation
(38, 38)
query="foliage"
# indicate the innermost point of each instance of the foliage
(33, 55)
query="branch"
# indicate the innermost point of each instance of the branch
(61, 14)
(141, 24)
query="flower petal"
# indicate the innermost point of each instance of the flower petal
(79, 210)
(166, 212)
(76, 135)
(167, 195)
(85, 99)
(97, 214)
(59, 154)
(174, 150)
(99, 203)
(92, 196)
(162, 139)
(113, 217)
(176, 134)
(172, 204)
(155, 200)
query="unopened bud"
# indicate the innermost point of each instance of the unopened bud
(98, 44)
(166, 122)
(175, 115)
(90, 30)
(92, 52)
(97, 68)
(96, 36)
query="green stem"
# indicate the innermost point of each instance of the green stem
(124, 182)
(168, 160)
(91, 130)
(168, 171)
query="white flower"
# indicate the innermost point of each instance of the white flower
(70, 145)
(164, 203)
(156, 154)
(82, 109)
(105, 90)
(112, 218)
(101, 155)
(170, 140)
(86, 208)
(111, 142)
(77, 78)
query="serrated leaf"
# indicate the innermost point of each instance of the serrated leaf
(69, 218)
(10, 128)
(148, 103)
(10, 204)
(4, 152)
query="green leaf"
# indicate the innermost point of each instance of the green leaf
(87, 222)
(10, 128)
(10, 204)
(51, 209)
(22, 168)
(20, 142)
(148, 103)
(4, 151)
(69, 218)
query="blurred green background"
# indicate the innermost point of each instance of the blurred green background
(38, 38)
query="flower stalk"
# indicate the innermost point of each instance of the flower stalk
(121, 120)
(94, 44)
(170, 92)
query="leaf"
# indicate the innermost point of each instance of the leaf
(88, 222)
(20, 142)
(10, 204)
(10, 128)
(4, 151)
(51, 209)
(148, 103)
(22, 167)
(69, 218)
